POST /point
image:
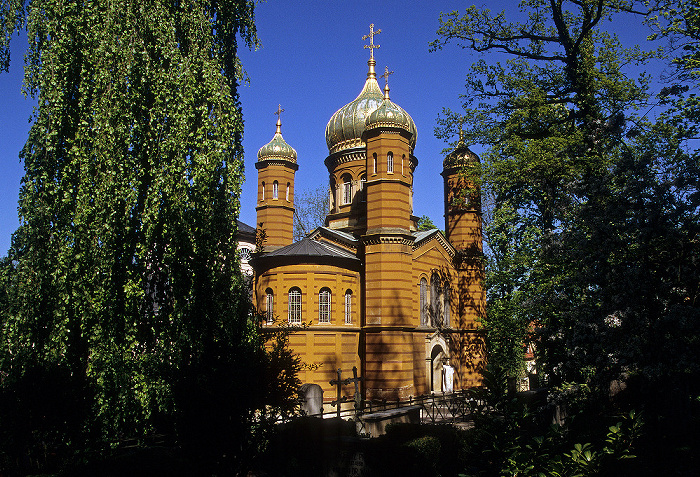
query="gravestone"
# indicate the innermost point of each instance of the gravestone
(311, 399)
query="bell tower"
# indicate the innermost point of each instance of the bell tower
(463, 228)
(388, 246)
(277, 164)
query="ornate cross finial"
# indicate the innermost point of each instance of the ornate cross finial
(386, 74)
(279, 118)
(279, 112)
(371, 45)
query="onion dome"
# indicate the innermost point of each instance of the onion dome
(345, 128)
(391, 115)
(461, 155)
(277, 148)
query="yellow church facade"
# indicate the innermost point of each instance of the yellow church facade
(400, 304)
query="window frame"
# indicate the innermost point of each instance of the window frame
(423, 301)
(294, 306)
(269, 306)
(347, 190)
(348, 307)
(325, 298)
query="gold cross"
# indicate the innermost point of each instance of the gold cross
(279, 112)
(386, 74)
(371, 45)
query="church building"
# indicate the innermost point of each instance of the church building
(402, 305)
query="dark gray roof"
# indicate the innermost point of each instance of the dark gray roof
(307, 247)
(245, 228)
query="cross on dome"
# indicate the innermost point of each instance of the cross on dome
(371, 45)
(386, 78)
(279, 117)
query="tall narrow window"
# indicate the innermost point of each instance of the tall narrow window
(446, 320)
(288, 187)
(347, 189)
(374, 163)
(295, 306)
(403, 159)
(434, 299)
(423, 302)
(324, 306)
(269, 306)
(262, 192)
(348, 307)
(363, 185)
(275, 189)
(390, 162)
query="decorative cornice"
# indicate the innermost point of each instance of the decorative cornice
(276, 161)
(440, 239)
(347, 155)
(389, 236)
(268, 205)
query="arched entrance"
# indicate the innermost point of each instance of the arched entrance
(437, 353)
(437, 358)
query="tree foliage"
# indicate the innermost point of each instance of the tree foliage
(594, 236)
(424, 223)
(310, 210)
(127, 314)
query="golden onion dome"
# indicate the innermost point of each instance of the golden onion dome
(345, 128)
(277, 148)
(390, 114)
(461, 155)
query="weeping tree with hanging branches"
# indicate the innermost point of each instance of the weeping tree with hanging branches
(124, 312)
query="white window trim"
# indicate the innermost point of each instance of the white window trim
(348, 308)
(324, 306)
(294, 306)
(270, 307)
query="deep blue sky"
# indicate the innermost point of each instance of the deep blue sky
(312, 62)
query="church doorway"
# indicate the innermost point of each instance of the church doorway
(437, 358)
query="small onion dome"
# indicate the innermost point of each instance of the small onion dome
(391, 115)
(461, 155)
(345, 128)
(277, 148)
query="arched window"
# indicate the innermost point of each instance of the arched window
(275, 189)
(423, 302)
(434, 299)
(348, 307)
(269, 306)
(245, 253)
(403, 159)
(347, 189)
(324, 306)
(390, 163)
(262, 192)
(363, 184)
(294, 306)
(288, 187)
(374, 163)
(446, 320)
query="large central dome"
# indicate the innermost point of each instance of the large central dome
(345, 128)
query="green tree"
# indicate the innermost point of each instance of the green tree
(586, 193)
(125, 288)
(424, 223)
(311, 209)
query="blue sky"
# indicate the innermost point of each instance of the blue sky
(312, 62)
